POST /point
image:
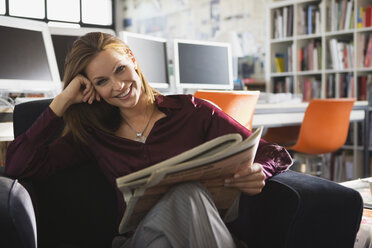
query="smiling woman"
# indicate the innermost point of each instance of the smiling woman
(107, 63)
(114, 118)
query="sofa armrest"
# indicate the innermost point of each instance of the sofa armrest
(298, 210)
(17, 219)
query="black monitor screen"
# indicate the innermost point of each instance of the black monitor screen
(203, 64)
(62, 45)
(151, 56)
(23, 55)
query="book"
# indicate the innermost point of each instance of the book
(279, 62)
(362, 186)
(368, 54)
(343, 15)
(349, 6)
(363, 237)
(209, 163)
(334, 53)
(290, 21)
(285, 21)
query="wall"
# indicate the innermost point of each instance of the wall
(198, 19)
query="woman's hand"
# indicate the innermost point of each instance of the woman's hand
(250, 180)
(80, 89)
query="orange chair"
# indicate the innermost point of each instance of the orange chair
(239, 105)
(284, 136)
(324, 127)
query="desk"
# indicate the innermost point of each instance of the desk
(285, 114)
(6, 131)
(6, 124)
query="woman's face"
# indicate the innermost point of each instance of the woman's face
(115, 78)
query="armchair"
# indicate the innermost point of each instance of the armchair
(77, 208)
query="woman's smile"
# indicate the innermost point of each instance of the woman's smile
(126, 93)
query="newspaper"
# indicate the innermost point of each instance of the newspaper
(209, 163)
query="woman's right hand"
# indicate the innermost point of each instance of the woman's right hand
(80, 89)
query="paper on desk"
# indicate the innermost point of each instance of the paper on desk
(362, 186)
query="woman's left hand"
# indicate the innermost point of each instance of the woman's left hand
(250, 180)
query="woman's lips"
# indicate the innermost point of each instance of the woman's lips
(125, 93)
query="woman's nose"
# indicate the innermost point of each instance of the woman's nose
(119, 85)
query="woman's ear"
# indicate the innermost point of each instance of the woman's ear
(133, 58)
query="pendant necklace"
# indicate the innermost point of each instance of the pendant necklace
(139, 135)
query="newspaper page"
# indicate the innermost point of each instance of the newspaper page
(211, 171)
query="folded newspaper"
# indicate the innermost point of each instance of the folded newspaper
(209, 163)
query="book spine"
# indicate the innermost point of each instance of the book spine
(359, 18)
(300, 59)
(317, 22)
(368, 16)
(333, 48)
(285, 21)
(351, 26)
(309, 19)
(363, 88)
(348, 14)
(290, 22)
(368, 56)
(279, 62)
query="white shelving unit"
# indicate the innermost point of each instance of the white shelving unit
(323, 36)
(329, 29)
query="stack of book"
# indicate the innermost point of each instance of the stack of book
(283, 60)
(283, 22)
(309, 20)
(342, 54)
(283, 85)
(365, 50)
(310, 88)
(310, 56)
(340, 15)
(365, 88)
(341, 82)
(364, 18)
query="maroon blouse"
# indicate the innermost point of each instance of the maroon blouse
(189, 122)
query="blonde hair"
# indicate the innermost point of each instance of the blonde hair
(82, 116)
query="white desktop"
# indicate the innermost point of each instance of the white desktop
(27, 61)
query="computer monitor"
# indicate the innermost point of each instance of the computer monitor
(151, 55)
(202, 65)
(27, 61)
(63, 38)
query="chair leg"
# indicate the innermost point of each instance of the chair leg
(325, 167)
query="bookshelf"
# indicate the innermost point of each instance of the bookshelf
(321, 49)
(324, 48)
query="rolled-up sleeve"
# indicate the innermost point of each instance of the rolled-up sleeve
(32, 155)
(274, 158)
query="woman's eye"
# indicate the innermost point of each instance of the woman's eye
(120, 68)
(101, 82)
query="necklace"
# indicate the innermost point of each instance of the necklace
(139, 135)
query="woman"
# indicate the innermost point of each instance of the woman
(113, 114)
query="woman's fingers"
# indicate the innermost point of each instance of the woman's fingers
(89, 93)
(81, 89)
(250, 180)
(254, 168)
